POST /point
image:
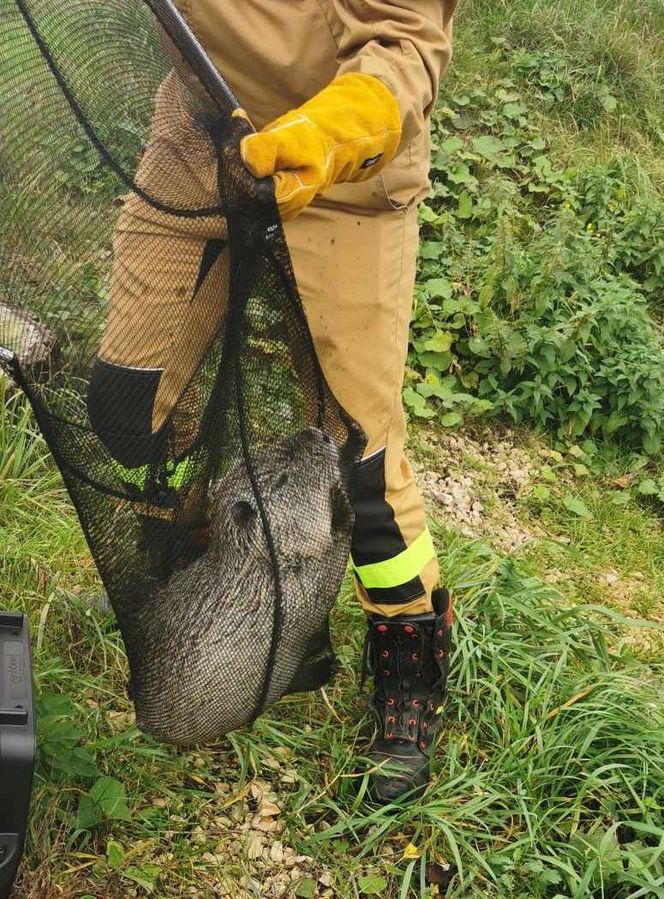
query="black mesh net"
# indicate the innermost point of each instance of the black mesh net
(149, 310)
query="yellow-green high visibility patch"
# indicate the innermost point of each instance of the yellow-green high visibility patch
(399, 569)
(138, 476)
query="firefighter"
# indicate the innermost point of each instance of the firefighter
(340, 93)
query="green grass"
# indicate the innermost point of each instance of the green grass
(571, 56)
(616, 541)
(549, 774)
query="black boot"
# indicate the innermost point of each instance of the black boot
(408, 657)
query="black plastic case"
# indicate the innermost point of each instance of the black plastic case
(17, 743)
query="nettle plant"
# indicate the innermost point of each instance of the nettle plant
(630, 228)
(536, 284)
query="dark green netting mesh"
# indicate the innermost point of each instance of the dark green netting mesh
(148, 309)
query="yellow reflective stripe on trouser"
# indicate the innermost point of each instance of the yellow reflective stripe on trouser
(399, 569)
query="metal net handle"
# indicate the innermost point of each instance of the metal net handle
(191, 48)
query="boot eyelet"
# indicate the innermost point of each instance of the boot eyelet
(425, 727)
(440, 632)
(409, 629)
(440, 653)
(415, 657)
(385, 654)
(389, 735)
(390, 701)
(415, 703)
(390, 719)
(386, 672)
(382, 628)
(412, 722)
(423, 746)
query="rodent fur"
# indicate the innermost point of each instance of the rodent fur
(206, 635)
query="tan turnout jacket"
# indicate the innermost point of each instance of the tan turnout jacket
(276, 54)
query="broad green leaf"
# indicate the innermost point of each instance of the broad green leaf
(577, 506)
(514, 110)
(427, 214)
(438, 287)
(109, 795)
(115, 855)
(431, 249)
(469, 379)
(81, 763)
(648, 487)
(372, 885)
(417, 404)
(567, 350)
(88, 815)
(306, 889)
(451, 419)
(609, 103)
(478, 346)
(438, 361)
(461, 174)
(451, 145)
(487, 146)
(146, 876)
(651, 443)
(577, 452)
(620, 499)
(465, 207)
(439, 343)
(425, 389)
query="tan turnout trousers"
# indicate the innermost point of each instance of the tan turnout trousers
(353, 250)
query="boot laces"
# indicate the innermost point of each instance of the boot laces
(370, 658)
(404, 686)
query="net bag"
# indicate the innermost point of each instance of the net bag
(149, 311)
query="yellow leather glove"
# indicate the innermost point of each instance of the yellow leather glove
(347, 132)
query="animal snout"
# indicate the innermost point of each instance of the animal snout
(355, 444)
(342, 511)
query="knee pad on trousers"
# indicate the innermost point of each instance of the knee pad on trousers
(120, 406)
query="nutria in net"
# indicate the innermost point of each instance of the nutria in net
(206, 636)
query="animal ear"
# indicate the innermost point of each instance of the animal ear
(243, 513)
